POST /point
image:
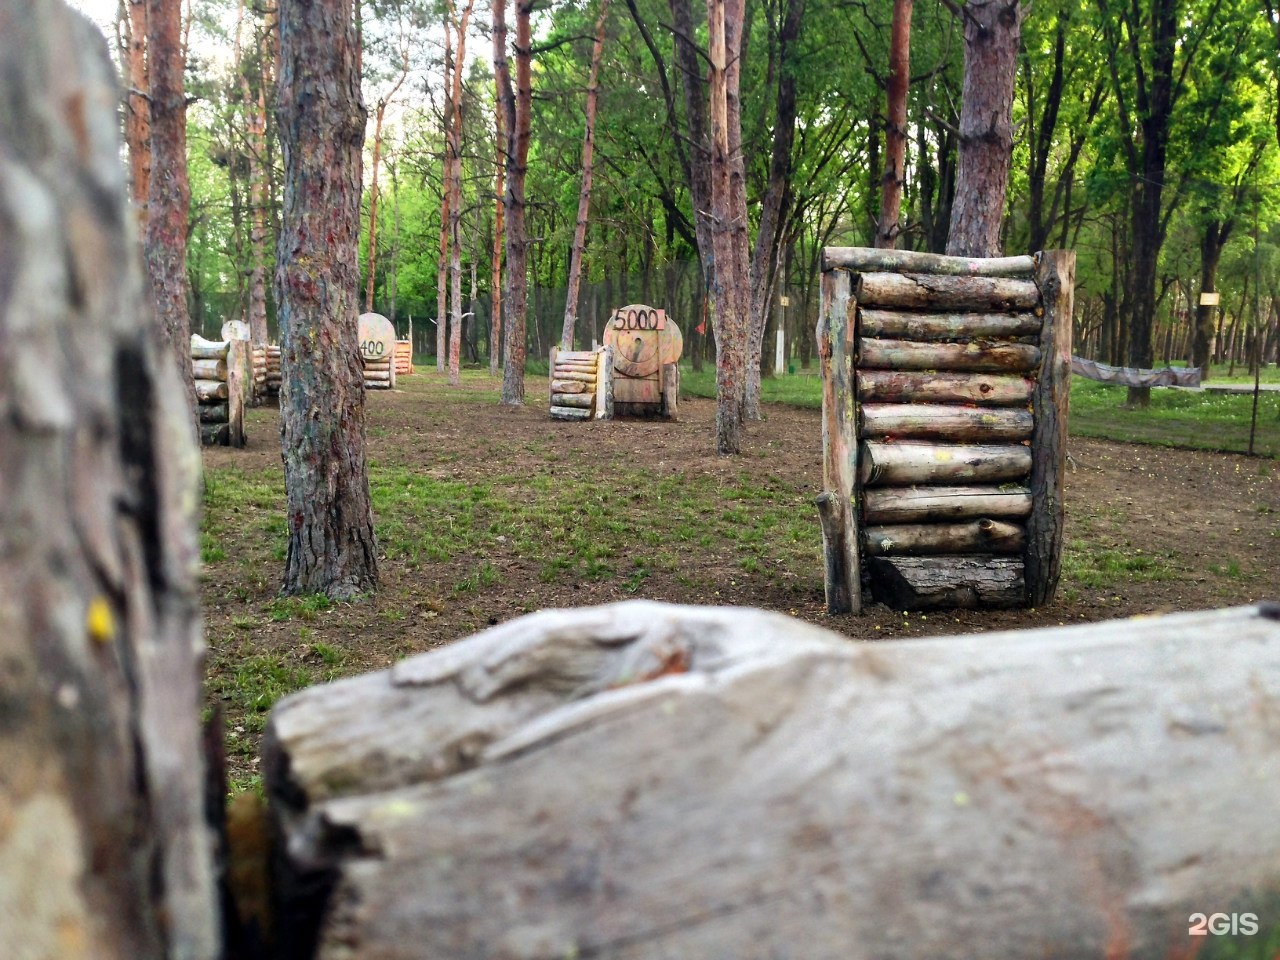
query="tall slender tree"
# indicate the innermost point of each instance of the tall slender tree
(137, 103)
(895, 140)
(454, 186)
(332, 548)
(169, 192)
(499, 231)
(517, 107)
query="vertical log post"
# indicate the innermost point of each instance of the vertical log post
(237, 385)
(551, 376)
(837, 506)
(1055, 276)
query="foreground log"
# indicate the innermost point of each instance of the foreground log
(974, 355)
(907, 463)
(943, 422)
(582, 376)
(647, 781)
(216, 412)
(979, 536)
(984, 389)
(922, 291)
(570, 413)
(961, 582)
(945, 326)
(584, 385)
(202, 349)
(209, 369)
(208, 390)
(584, 400)
(215, 434)
(104, 847)
(930, 504)
(879, 260)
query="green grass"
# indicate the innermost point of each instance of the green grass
(1103, 567)
(1176, 418)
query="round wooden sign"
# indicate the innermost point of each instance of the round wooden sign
(643, 340)
(377, 336)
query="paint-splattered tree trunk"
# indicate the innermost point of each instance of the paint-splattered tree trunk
(584, 193)
(137, 107)
(104, 849)
(991, 32)
(332, 548)
(517, 106)
(169, 193)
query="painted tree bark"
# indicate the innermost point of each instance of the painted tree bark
(137, 106)
(992, 29)
(332, 548)
(728, 222)
(499, 243)
(454, 186)
(169, 192)
(104, 848)
(776, 206)
(517, 107)
(584, 193)
(442, 269)
(891, 182)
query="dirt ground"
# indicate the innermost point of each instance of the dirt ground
(1148, 529)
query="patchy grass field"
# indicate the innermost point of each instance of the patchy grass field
(484, 514)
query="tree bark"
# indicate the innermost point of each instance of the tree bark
(104, 847)
(137, 114)
(446, 198)
(518, 107)
(454, 186)
(332, 548)
(1213, 238)
(991, 32)
(584, 194)
(895, 152)
(169, 192)
(643, 780)
(499, 192)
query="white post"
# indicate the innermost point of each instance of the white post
(780, 357)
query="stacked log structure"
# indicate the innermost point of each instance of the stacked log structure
(945, 400)
(258, 366)
(379, 373)
(378, 351)
(581, 384)
(404, 358)
(218, 367)
(272, 354)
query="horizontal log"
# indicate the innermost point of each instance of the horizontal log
(978, 536)
(580, 376)
(211, 390)
(922, 291)
(572, 399)
(944, 421)
(378, 375)
(929, 504)
(217, 412)
(209, 350)
(209, 369)
(377, 384)
(563, 356)
(576, 367)
(570, 413)
(571, 386)
(215, 434)
(909, 462)
(649, 781)
(903, 325)
(383, 364)
(931, 583)
(871, 259)
(974, 355)
(905, 386)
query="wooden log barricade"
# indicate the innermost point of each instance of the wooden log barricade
(220, 370)
(581, 385)
(377, 351)
(403, 358)
(944, 427)
(646, 352)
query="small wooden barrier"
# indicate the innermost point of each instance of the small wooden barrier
(377, 351)
(403, 358)
(219, 370)
(646, 349)
(581, 385)
(944, 405)
(272, 370)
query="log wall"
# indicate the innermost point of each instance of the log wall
(581, 384)
(944, 427)
(223, 379)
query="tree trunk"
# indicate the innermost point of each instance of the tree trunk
(372, 259)
(169, 193)
(137, 114)
(454, 186)
(518, 107)
(895, 153)
(104, 848)
(776, 206)
(442, 270)
(332, 548)
(499, 192)
(991, 33)
(724, 23)
(1212, 240)
(255, 108)
(584, 194)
